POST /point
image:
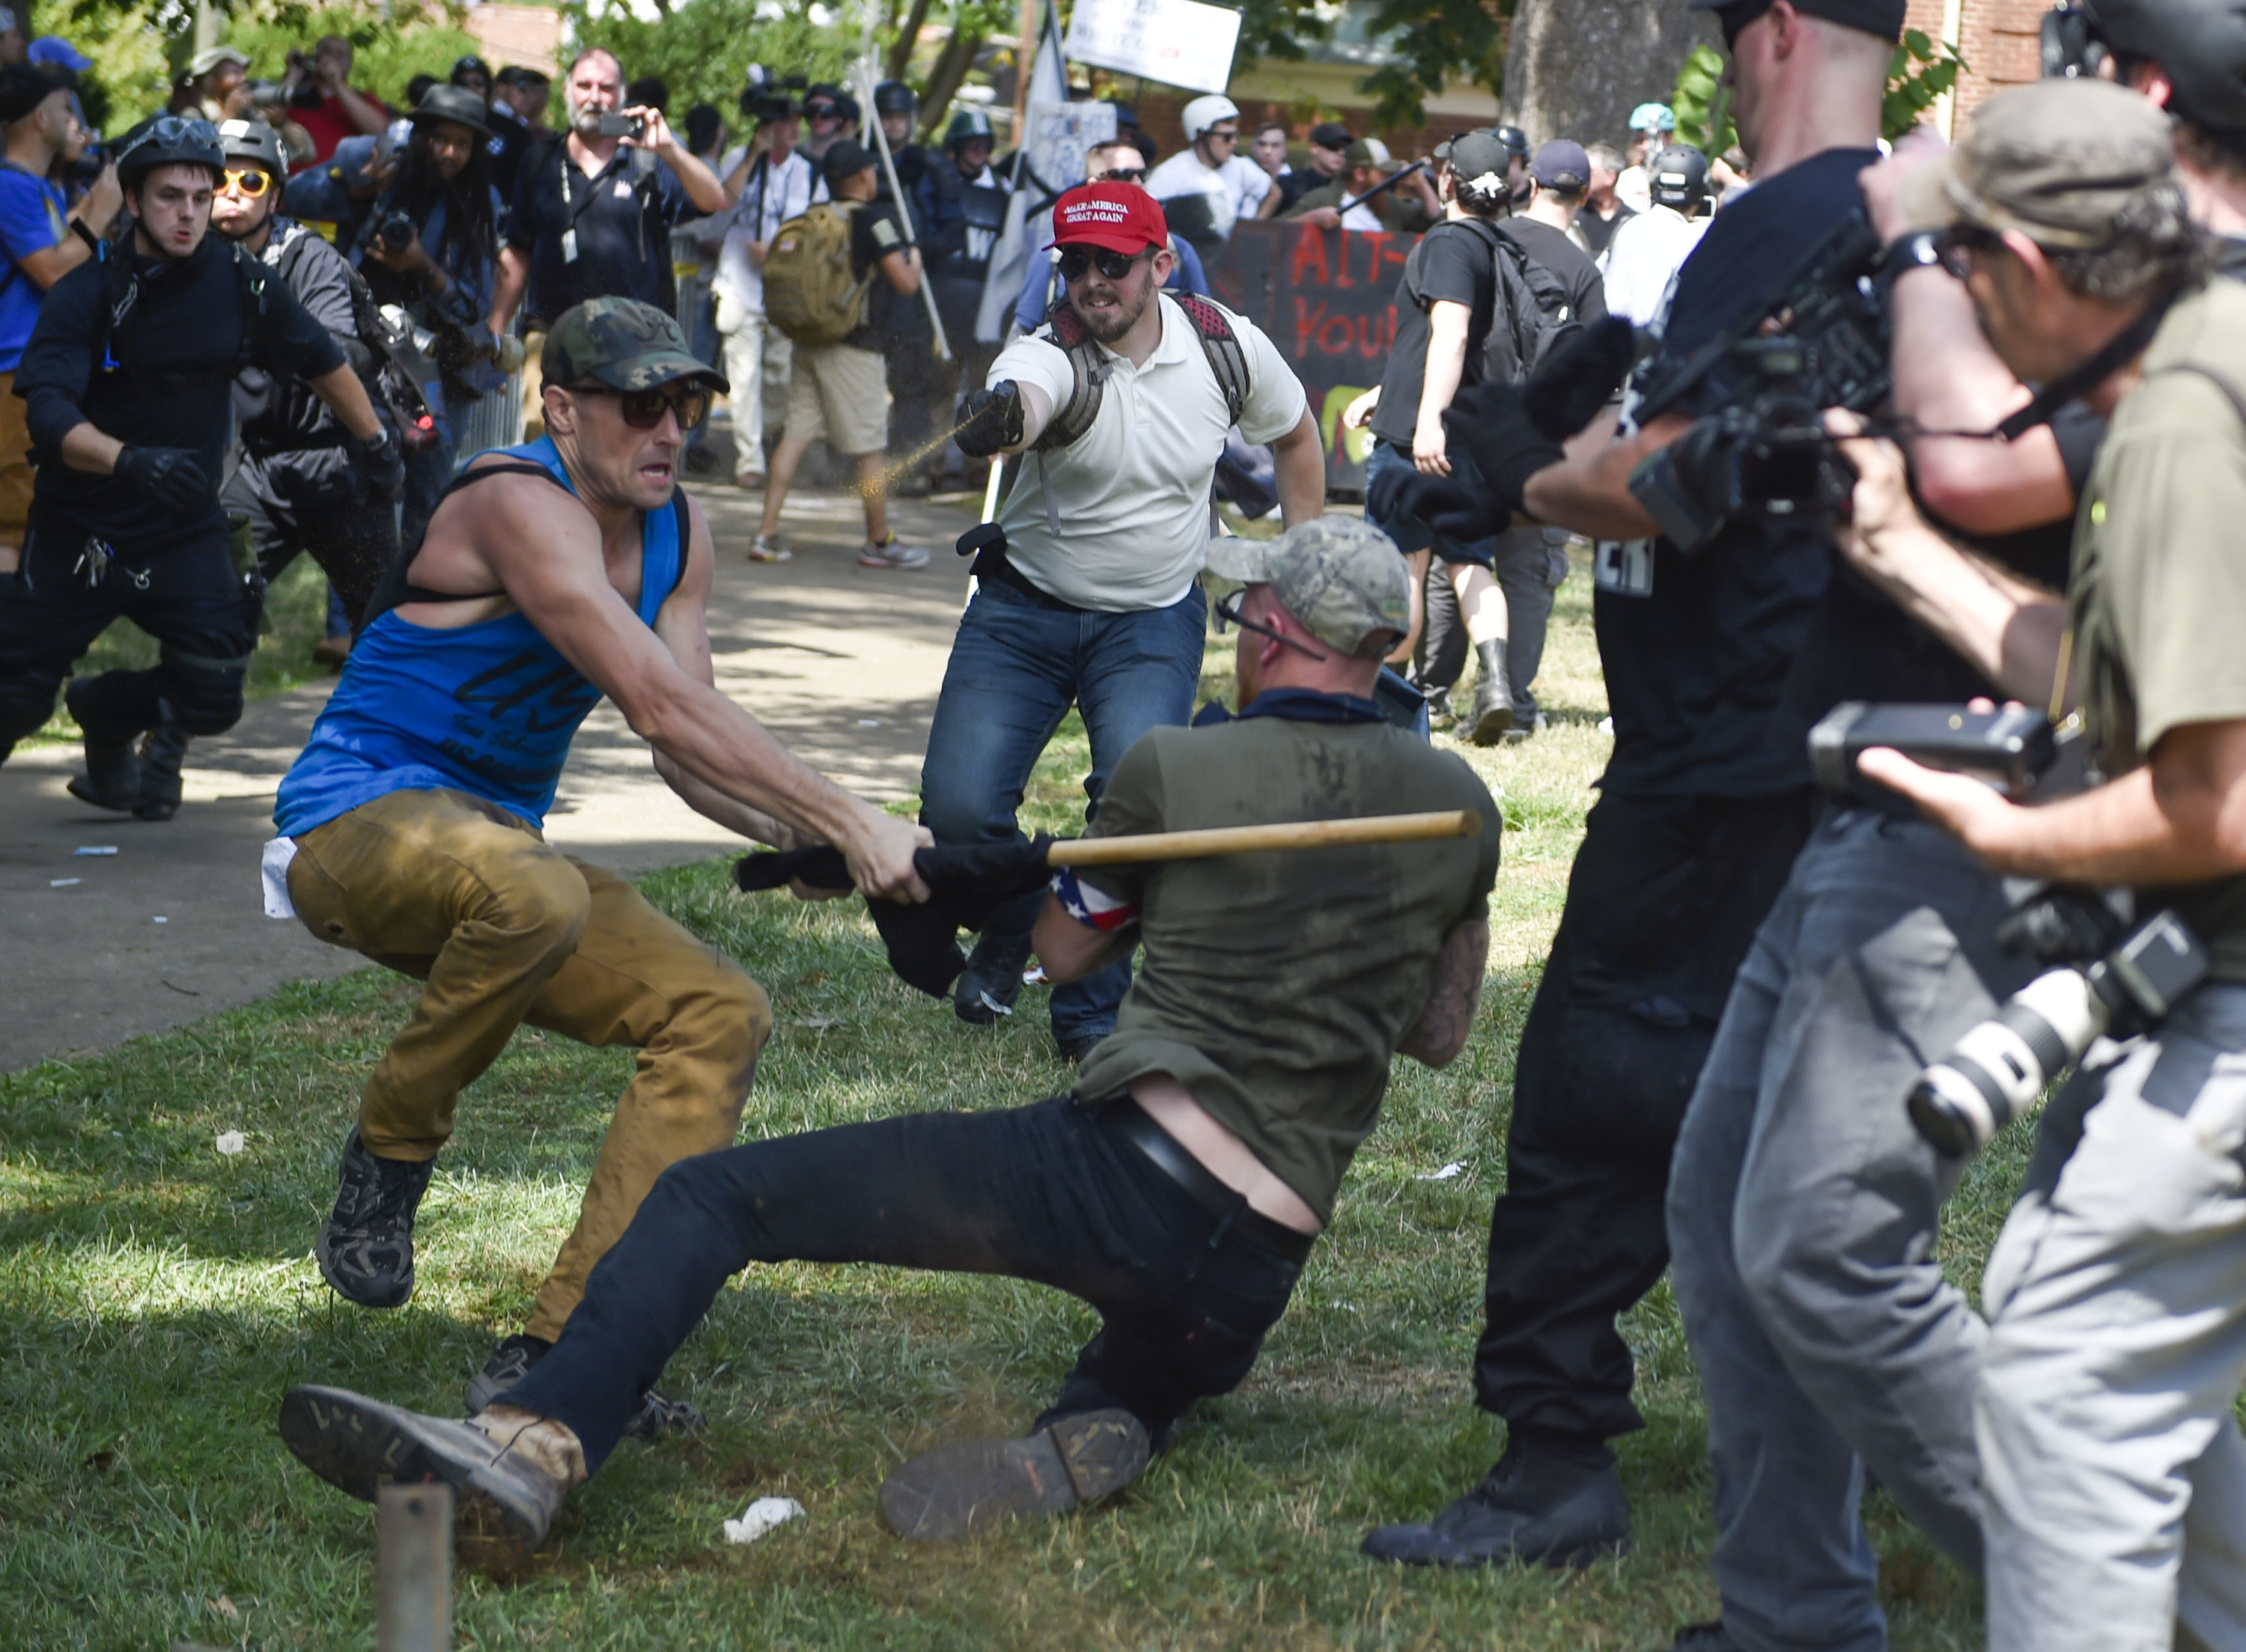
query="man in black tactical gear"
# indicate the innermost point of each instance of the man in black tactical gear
(961, 209)
(128, 376)
(921, 387)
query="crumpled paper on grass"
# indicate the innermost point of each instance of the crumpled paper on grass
(760, 1517)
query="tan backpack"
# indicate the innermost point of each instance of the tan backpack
(810, 294)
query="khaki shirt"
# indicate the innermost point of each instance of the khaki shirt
(2158, 589)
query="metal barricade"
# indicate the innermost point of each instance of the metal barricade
(491, 421)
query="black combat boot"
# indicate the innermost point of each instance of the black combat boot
(1558, 1501)
(1492, 706)
(161, 756)
(111, 779)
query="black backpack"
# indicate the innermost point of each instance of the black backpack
(1532, 317)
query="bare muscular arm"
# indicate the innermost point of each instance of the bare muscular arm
(539, 545)
(1441, 1032)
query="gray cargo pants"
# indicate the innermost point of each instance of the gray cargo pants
(1802, 1208)
(2115, 1474)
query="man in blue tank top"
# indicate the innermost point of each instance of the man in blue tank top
(551, 575)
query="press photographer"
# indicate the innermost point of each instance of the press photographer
(2111, 1465)
(430, 245)
(1702, 808)
(127, 378)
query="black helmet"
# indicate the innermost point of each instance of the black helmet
(1678, 177)
(470, 64)
(254, 140)
(895, 98)
(2201, 44)
(967, 126)
(168, 140)
(1514, 140)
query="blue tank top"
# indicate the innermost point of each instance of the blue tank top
(488, 708)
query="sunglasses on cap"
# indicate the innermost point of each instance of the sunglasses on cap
(249, 181)
(1119, 175)
(1076, 262)
(173, 132)
(1227, 609)
(643, 409)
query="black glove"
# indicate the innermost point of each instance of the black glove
(990, 420)
(172, 477)
(1452, 505)
(1569, 391)
(968, 883)
(1490, 426)
(381, 467)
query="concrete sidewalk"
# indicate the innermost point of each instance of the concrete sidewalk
(843, 663)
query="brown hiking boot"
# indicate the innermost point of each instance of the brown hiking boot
(970, 1485)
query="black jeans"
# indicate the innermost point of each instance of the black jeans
(353, 541)
(183, 591)
(1664, 901)
(1052, 1192)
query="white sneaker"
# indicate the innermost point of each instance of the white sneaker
(766, 547)
(889, 554)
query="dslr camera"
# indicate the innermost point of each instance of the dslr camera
(1759, 389)
(2112, 973)
(395, 233)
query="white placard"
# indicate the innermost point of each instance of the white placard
(1179, 42)
(1059, 134)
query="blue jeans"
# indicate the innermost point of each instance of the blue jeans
(1015, 668)
(1802, 1216)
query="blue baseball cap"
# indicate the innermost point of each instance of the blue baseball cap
(52, 48)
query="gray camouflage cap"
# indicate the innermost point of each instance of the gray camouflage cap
(622, 344)
(1343, 579)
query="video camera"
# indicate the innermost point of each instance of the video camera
(1759, 390)
(2114, 974)
(768, 97)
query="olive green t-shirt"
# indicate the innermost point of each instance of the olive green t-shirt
(2158, 590)
(1276, 985)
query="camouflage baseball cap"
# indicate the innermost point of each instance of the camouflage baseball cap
(1344, 580)
(622, 344)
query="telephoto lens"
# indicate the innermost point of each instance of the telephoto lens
(1997, 1071)
(396, 232)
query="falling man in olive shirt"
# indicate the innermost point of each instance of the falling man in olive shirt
(1178, 1188)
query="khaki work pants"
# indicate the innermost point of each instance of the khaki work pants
(452, 889)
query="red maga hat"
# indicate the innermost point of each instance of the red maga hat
(1121, 217)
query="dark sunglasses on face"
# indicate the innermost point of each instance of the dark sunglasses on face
(1121, 175)
(1226, 610)
(251, 181)
(1955, 246)
(1075, 261)
(643, 409)
(821, 111)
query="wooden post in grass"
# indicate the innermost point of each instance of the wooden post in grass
(413, 1568)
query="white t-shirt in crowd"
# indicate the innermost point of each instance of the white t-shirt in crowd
(770, 196)
(1634, 189)
(1235, 190)
(1132, 493)
(1642, 262)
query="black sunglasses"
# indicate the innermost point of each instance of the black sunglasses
(821, 111)
(643, 409)
(1954, 247)
(1075, 260)
(1121, 175)
(1227, 609)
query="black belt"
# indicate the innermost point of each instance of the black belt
(992, 569)
(1137, 1126)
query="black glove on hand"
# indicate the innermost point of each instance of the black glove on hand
(989, 420)
(1452, 505)
(172, 477)
(1490, 426)
(381, 467)
(1567, 392)
(966, 883)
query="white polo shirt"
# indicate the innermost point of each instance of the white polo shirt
(1235, 190)
(1132, 493)
(770, 196)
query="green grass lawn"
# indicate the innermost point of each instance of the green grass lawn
(156, 1298)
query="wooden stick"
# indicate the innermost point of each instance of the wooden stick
(1288, 834)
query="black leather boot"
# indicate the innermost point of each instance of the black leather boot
(1492, 706)
(111, 779)
(161, 755)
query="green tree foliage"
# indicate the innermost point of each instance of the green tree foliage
(703, 50)
(1431, 42)
(1922, 69)
(138, 45)
(1703, 102)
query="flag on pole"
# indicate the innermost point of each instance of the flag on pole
(1029, 209)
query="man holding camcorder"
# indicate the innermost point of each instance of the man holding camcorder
(2113, 1473)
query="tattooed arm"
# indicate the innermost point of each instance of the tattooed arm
(1440, 1032)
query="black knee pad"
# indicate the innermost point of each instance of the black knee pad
(204, 692)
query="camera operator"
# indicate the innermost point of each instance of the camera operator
(593, 208)
(771, 181)
(128, 379)
(430, 245)
(41, 245)
(2189, 58)
(1703, 806)
(326, 105)
(215, 86)
(2112, 1468)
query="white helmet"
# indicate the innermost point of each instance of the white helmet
(1203, 113)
